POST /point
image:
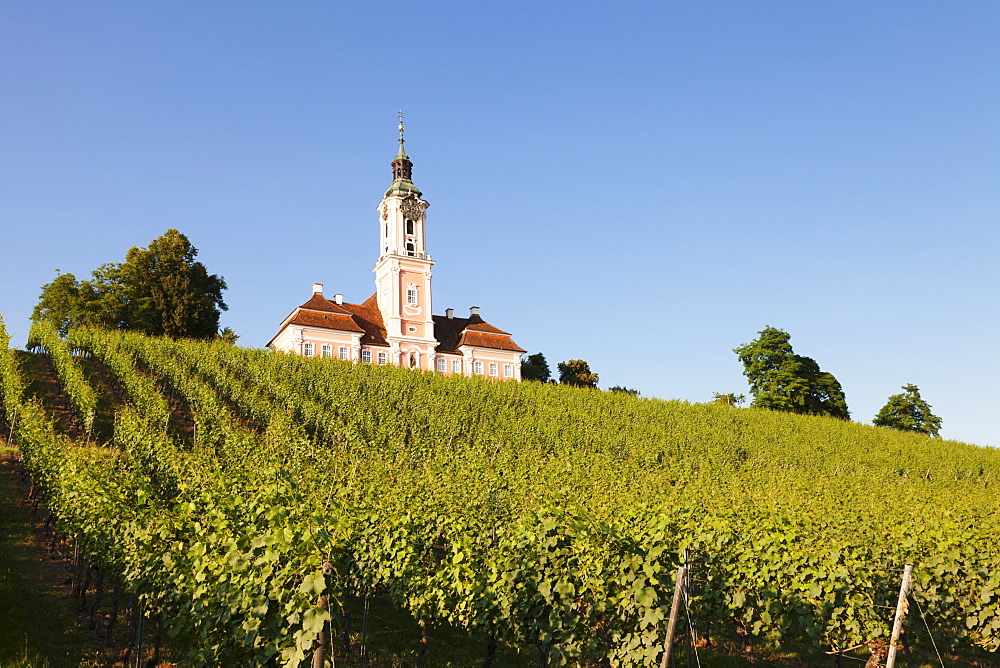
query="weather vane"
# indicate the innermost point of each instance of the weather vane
(400, 114)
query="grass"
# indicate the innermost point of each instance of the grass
(36, 626)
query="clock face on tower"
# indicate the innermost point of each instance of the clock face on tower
(411, 208)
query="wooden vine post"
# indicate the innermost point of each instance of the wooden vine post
(668, 642)
(897, 624)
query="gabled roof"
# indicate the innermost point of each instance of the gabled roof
(341, 321)
(451, 333)
(320, 303)
(473, 331)
(369, 318)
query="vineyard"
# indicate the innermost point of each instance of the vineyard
(238, 497)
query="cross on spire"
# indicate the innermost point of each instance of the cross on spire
(400, 114)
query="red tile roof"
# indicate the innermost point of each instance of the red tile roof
(341, 321)
(484, 340)
(474, 331)
(320, 303)
(370, 318)
(366, 317)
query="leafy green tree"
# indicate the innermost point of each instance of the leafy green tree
(169, 292)
(624, 390)
(67, 302)
(160, 290)
(908, 412)
(534, 367)
(61, 303)
(781, 380)
(728, 399)
(228, 336)
(577, 373)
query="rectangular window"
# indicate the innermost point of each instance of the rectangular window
(411, 297)
(456, 366)
(382, 358)
(477, 368)
(442, 364)
(307, 349)
(327, 350)
(366, 356)
(494, 369)
(343, 352)
(508, 370)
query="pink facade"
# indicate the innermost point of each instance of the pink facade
(395, 325)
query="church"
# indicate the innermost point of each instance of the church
(395, 325)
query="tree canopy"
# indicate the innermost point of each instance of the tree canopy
(908, 412)
(577, 373)
(781, 380)
(160, 290)
(728, 399)
(534, 367)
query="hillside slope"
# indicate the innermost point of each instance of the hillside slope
(538, 514)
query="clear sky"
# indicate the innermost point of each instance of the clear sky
(640, 185)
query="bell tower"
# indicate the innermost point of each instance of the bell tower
(403, 270)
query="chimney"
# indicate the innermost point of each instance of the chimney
(338, 298)
(473, 311)
(450, 312)
(318, 289)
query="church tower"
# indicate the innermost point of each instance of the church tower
(403, 270)
(395, 326)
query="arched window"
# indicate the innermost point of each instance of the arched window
(413, 360)
(409, 226)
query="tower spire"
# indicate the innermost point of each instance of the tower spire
(402, 168)
(401, 128)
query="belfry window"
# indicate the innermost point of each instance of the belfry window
(409, 226)
(409, 249)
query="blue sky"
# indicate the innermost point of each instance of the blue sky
(641, 185)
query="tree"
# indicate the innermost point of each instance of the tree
(160, 290)
(67, 302)
(728, 399)
(534, 367)
(228, 336)
(577, 373)
(623, 390)
(908, 412)
(781, 380)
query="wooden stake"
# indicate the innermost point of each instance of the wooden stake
(668, 642)
(897, 624)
